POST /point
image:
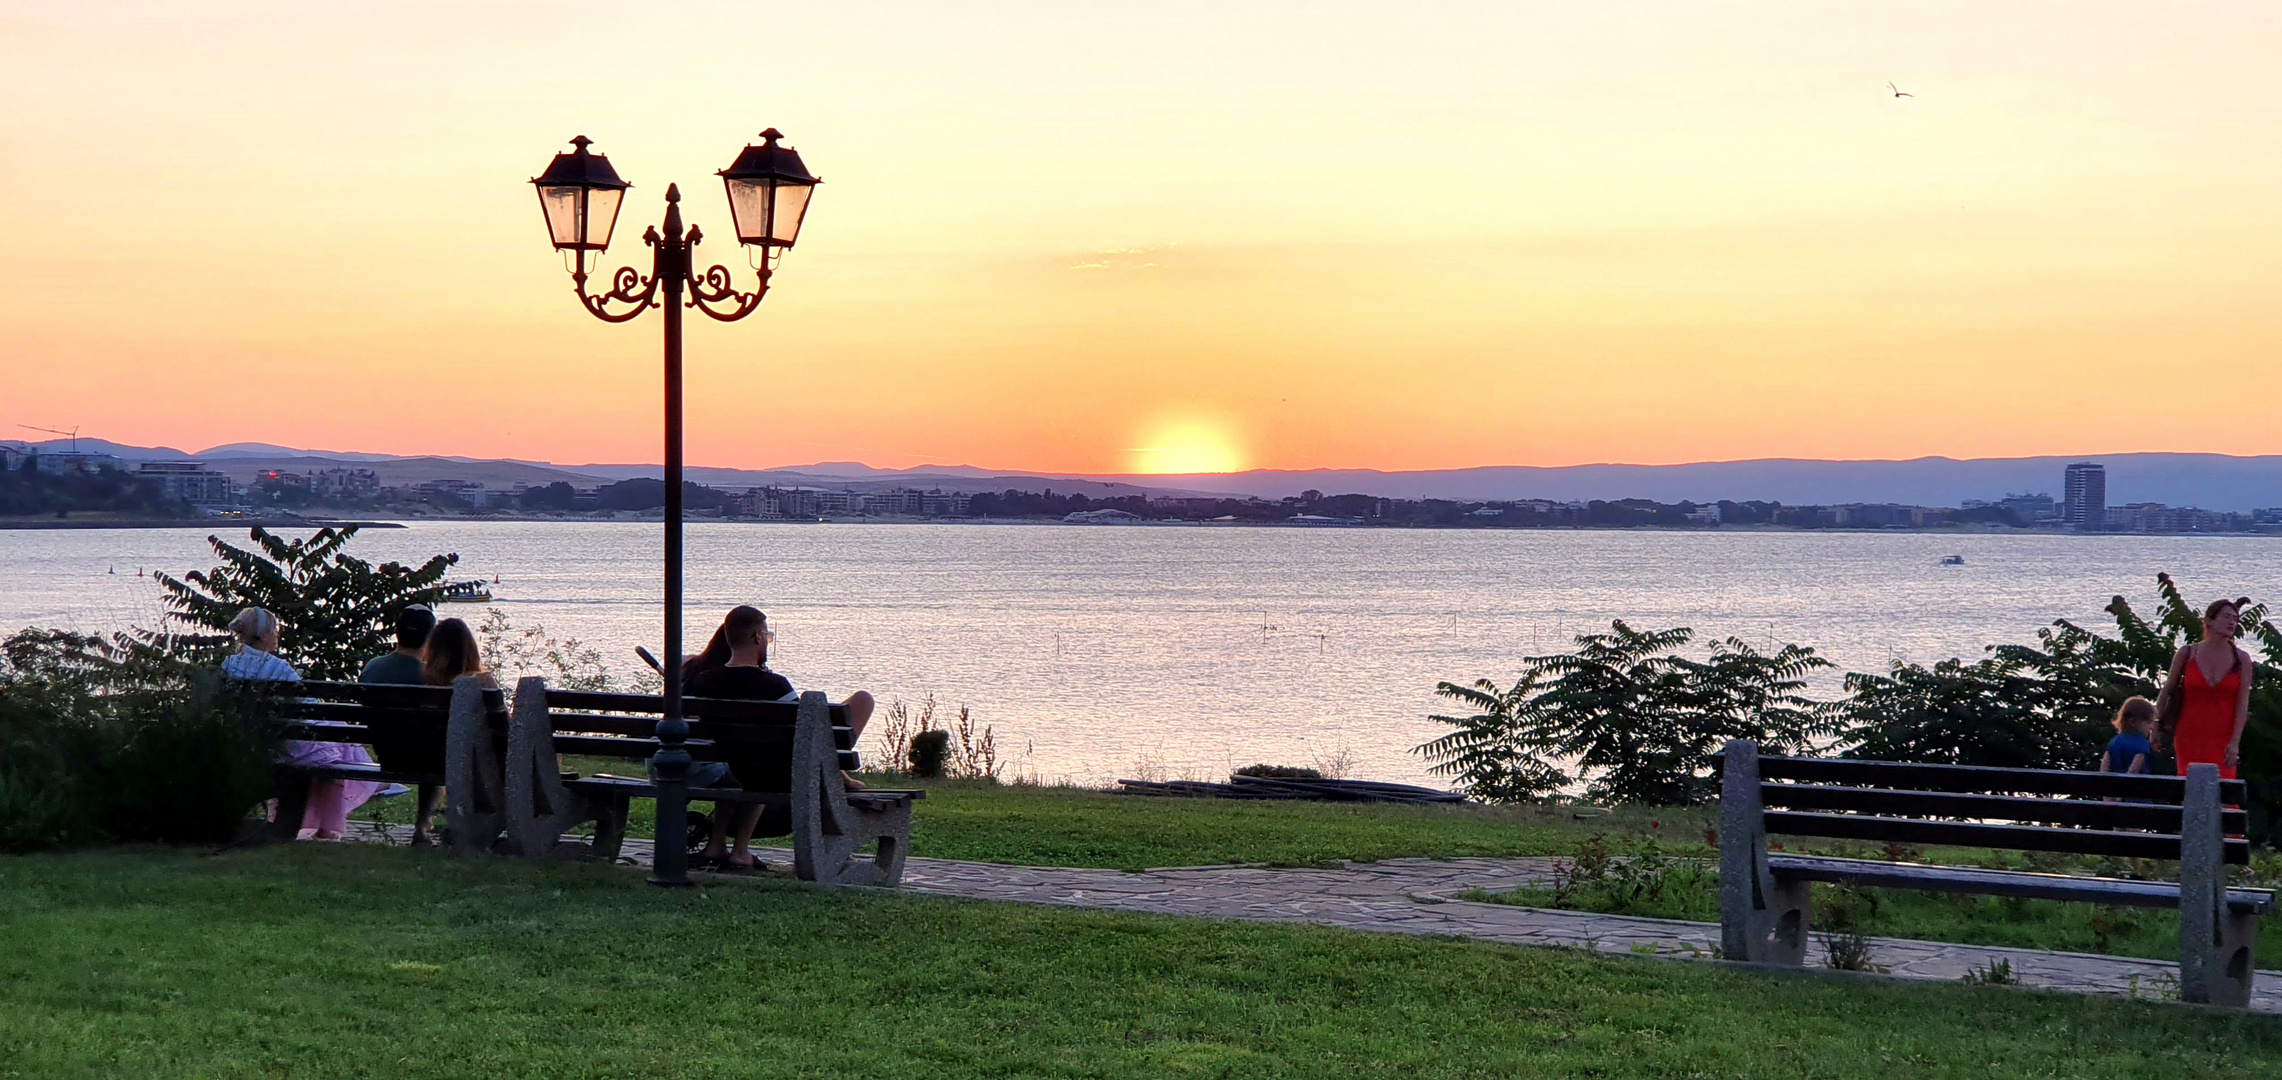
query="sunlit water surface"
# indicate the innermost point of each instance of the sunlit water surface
(1099, 652)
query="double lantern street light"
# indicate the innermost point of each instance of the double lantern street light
(768, 195)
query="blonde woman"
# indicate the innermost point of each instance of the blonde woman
(327, 814)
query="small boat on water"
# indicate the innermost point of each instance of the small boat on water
(1953, 560)
(465, 592)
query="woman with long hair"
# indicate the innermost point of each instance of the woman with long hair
(450, 653)
(2210, 681)
(735, 665)
(326, 815)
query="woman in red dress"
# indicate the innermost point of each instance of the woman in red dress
(2212, 681)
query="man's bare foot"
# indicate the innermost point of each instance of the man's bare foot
(852, 783)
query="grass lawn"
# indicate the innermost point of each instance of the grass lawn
(1062, 826)
(352, 961)
(1654, 884)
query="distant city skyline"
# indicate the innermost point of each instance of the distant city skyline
(2022, 486)
(1166, 238)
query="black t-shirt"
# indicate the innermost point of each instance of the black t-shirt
(741, 683)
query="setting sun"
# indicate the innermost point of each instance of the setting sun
(1186, 446)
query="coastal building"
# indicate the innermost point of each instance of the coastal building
(2085, 495)
(344, 483)
(190, 481)
(839, 502)
(940, 503)
(2031, 509)
(68, 463)
(897, 501)
(2153, 517)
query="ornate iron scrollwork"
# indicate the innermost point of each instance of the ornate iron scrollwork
(717, 287)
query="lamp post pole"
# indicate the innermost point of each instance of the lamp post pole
(669, 860)
(768, 196)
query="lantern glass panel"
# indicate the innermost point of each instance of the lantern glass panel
(565, 217)
(602, 215)
(792, 205)
(749, 208)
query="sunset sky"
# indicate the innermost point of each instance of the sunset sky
(1168, 237)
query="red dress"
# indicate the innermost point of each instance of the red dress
(2206, 716)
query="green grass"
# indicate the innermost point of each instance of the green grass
(351, 961)
(1688, 888)
(1064, 826)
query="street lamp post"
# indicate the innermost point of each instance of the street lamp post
(580, 194)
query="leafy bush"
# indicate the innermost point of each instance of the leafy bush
(929, 749)
(100, 742)
(1635, 719)
(338, 610)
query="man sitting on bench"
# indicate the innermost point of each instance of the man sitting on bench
(734, 665)
(404, 667)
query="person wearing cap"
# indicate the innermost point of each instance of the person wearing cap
(406, 666)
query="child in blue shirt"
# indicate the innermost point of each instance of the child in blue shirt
(2130, 751)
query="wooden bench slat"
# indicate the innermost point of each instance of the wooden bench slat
(2127, 845)
(393, 695)
(2111, 891)
(363, 714)
(1981, 778)
(1891, 801)
(784, 712)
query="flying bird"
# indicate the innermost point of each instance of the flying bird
(1898, 91)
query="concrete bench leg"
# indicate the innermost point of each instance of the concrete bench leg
(1761, 920)
(2217, 946)
(475, 812)
(539, 809)
(826, 830)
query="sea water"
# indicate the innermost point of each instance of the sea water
(1154, 651)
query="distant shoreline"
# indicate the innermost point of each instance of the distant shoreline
(98, 522)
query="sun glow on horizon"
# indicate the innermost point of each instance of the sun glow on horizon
(1186, 446)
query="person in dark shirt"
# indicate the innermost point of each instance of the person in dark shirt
(734, 665)
(413, 625)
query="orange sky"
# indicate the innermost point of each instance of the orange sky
(1093, 237)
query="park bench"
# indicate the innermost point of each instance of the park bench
(420, 736)
(800, 748)
(1764, 909)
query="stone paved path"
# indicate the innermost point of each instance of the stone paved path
(1412, 896)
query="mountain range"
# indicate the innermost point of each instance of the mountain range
(2210, 481)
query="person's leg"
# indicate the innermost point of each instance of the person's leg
(328, 814)
(748, 818)
(431, 798)
(859, 706)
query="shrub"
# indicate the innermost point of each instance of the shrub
(929, 750)
(337, 609)
(1636, 720)
(101, 744)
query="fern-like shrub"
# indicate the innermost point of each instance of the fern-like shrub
(1629, 715)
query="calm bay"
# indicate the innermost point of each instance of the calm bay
(1099, 652)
